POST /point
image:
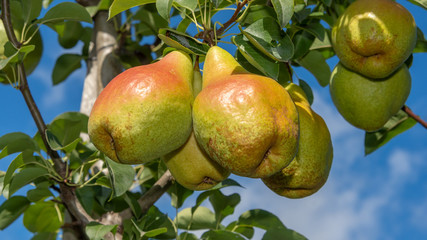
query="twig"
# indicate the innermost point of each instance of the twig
(208, 33)
(414, 116)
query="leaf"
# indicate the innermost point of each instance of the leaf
(44, 236)
(183, 42)
(302, 43)
(67, 127)
(21, 160)
(43, 217)
(16, 142)
(38, 194)
(178, 194)
(315, 63)
(97, 231)
(202, 218)
(282, 233)
(246, 231)
(256, 12)
(187, 236)
(66, 11)
(284, 10)
(24, 177)
(220, 235)
(15, 55)
(164, 8)
(259, 218)
(158, 223)
(121, 176)
(56, 145)
(260, 61)
(64, 66)
(421, 3)
(395, 126)
(11, 209)
(119, 6)
(307, 90)
(31, 9)
(155, 232)
(189, 4)
(267, 36)
(223, 205)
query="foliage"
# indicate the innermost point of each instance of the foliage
(271, 37)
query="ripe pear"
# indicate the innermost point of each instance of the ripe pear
(366, 103)
(192, 168)
(308, 172)
(245, 122)
(145, 112)
(374, 38)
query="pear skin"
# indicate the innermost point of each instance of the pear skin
(308, 172)
(248, 124)
(192, 168)
(219, 64)
(374, 38)
(366, 103)
(145, 112)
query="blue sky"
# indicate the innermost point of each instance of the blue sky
(381, 196)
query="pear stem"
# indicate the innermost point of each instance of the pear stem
(414, 116)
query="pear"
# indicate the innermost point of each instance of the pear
(219, 64)
(374, 38)
(245, 122)
(145, 112)
(366, 103)
(192, 168)
(308, 172)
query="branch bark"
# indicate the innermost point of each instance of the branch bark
(414, 116)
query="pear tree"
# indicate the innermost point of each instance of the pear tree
(166, 110)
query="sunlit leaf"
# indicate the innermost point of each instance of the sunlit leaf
(221, 234)
(16, 142)
(202, 218)
(24, 177)
(183, 42)
(97, 231)
(11, 209)
(43, 217)
(119, 6)
(284, 10)
(121, 176)
(164, 8)
(66, 11)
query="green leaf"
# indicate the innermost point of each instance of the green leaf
(178, 194)
(246, 231)
(15, 55)
(66, 11)
(67, 127)
(189, 4)
(202, 218)
(16, 142)
(31, 9)
(421, 3)
(164, 8)
(156, 222)
(69, 33)
(121, 176)
(307, 90)
(183, 42)
(221, 234)
(260, 61)
(21, 160)
(395, 126)
(282, 233)
(256, 12)
(11, 209)
(259, 218)
(284, 10)
(155, 232)
(56, 145)
(315, 63)
(24, 177)
(97, 231)
(268, 37)
(45, 236)
(421, 45)
(223, 205)
(43, 217)
(302, 43)
(64, 66)
(187, 236)
(119, 6)
(38, 194)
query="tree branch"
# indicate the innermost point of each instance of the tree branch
(414, 116)
(209, 34)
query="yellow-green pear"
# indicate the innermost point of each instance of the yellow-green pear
(219, 64)
(245, 122)
(374, 37)
(192, 168)
(145, 112)
(308, 172)
(366, 103)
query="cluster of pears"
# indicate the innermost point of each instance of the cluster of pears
(372, 39)
(205, 128)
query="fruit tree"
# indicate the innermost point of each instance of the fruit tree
(190, 98)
